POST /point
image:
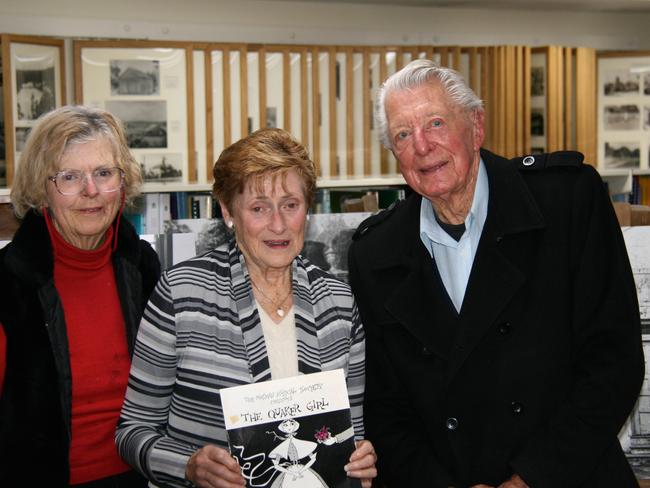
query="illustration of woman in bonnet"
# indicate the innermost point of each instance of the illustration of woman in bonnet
(293, 473)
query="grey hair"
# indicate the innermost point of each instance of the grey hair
(418, 73)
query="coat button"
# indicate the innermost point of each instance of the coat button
(504, 328)
(452, 423)
(516, 408)
(425, 351)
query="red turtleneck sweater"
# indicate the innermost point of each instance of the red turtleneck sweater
(99, 357)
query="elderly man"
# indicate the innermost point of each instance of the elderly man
(503, 331)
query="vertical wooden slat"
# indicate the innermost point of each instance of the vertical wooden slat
(227, 108)
(367, 112)
(527, 87)
(334, 170)
(304, 93)
(77, 70)
(383, 74)
(444, 55)
(456, 51)
(501, 100)
(399, 59)
(261, 87)
(209, 113)
(552, 102)
(429, 52)
(286, 89)
(192, 172)
(509, 101)
(349, 111)
(243, 88)
(520, 97)
(486, 93)
(586, 103)
(7, 95)
(474, 73)
(568, 98)
(315, 113)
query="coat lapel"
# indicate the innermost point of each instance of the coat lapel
(495, 278)
(408, 274)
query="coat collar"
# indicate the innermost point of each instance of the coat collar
(494, 279)
(29, 255)
(253, 335)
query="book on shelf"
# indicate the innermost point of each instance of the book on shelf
(291, 432)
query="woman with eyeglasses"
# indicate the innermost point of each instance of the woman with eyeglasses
(74, 282)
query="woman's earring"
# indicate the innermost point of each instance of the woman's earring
(230, 224)
(308, 217)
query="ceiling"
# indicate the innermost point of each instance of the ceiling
(618, 6)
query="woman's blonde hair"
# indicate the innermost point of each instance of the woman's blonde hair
(49, 139)
(266, 152)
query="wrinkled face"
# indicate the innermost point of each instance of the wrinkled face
(270, 222)
(83, 219)
(436, 143)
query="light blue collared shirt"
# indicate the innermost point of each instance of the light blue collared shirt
(455, 258)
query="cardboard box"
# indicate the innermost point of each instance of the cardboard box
(630, 215)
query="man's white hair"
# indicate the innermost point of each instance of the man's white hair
(418, 73)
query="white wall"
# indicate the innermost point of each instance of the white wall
(320, 23)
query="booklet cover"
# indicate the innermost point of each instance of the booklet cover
(294, 432)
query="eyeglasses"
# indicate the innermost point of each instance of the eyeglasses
(72, 181)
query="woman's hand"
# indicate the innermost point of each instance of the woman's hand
(362, 463)
(214, 467)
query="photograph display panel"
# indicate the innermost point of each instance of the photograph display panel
(146, 88)
(624, 113)
(35, 88)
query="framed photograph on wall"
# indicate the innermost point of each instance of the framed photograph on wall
(149, 86)
(33, 83)
(624, 110)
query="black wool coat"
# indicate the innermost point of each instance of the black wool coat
(541, 367)
(36, 400)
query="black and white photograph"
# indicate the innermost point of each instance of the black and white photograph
(622, 155)
(620, 82)
(145, 122)
(135, 77)
(537, 121)
(327, 238)
(162, 168)
(622, 117)
(21, 137)
(537, 81)
(646, 117)
(646, 84)
(635, 437)
(35, 92)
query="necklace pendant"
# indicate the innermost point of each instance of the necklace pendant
(280, 312)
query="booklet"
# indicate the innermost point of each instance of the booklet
(294, 432)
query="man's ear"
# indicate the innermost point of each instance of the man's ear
(478, 126)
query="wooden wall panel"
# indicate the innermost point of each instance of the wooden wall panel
(586, 103)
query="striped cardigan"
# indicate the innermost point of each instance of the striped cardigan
(201, 332)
